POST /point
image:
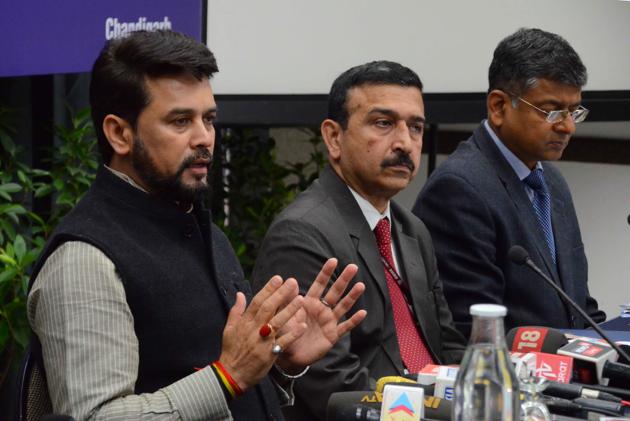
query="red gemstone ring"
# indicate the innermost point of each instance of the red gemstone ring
(265, 330)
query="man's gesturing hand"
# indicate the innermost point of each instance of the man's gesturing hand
(246, 354)
(322, 315)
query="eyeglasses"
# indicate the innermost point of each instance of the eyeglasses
(556, 116)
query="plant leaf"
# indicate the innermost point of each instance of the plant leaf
(7, 275)
(44, 190)
(19, 246)
(8, 228)
(10, 187)
(8, 259)
(58, 183)
(29, 258)
(40, 172)
(12, 208)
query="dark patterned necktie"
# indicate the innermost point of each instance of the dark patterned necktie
(542, 206)
(413, 350)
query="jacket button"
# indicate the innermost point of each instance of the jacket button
(188, 231)
(224, 291)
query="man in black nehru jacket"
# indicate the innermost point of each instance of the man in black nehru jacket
(138, 301)
(498, 190)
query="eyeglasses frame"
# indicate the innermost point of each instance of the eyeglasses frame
(578, 115)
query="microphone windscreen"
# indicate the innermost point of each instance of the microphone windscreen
(339, 401)
(434, 408)
(357, 412)
(437, 408)
(518, 255)
(380, 383)
(535, 339)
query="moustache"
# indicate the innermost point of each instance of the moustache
(401, 158)
(188, 162)
(197, 155)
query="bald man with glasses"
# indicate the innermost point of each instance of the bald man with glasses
(498, 190)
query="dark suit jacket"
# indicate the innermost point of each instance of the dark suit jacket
(476, 208)
(326, 221)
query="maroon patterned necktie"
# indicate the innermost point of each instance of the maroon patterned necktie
(413, 350)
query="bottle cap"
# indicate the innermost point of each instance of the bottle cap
(488, 310)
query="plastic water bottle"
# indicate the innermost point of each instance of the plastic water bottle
(486, 388)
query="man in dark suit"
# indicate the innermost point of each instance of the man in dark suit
(497, 190)
(373, 134)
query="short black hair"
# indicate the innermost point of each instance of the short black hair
(531, 54)
(373, 73)
(118, 84)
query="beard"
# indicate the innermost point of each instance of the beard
(166, 186)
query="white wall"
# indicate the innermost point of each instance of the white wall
(601, 194)
(300, 46)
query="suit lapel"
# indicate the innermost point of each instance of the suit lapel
(516, 191)
(365, 243)
(561, 228)
(362, 237)
(413, 271)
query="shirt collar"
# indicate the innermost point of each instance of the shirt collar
(517, 165)
(371, 214)
(129, 180)
(126, 178)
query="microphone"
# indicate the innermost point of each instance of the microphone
(402, 381)
(437, 408)
(616, 391)
(543, 343)
(535, 339)
(524, 364)
(445, 382)
(434, 408)
(400, 400)
(428, 375)
(572, 391)
(592, 360)
(339, 401)
(580, 405)
(357, 413)
(603, 407)
(519, 255)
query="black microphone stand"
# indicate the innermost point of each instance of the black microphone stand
(519, 255)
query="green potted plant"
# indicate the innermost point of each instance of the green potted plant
(23, 232)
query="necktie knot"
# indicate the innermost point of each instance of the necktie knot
(536, 181)
(383, 233)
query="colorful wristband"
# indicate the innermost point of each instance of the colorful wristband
(224, 388)
(227, 382)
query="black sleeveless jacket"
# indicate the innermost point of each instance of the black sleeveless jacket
(180, 276)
